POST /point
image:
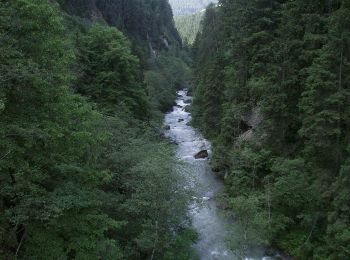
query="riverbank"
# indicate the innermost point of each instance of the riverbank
(216, 230)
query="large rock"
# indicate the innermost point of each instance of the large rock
(247, 136)
(201, 155)
(253, 118)
(223, 206)
(249, 123)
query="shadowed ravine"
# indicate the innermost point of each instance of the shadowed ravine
(207, 219)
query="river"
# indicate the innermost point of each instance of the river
(209, 221)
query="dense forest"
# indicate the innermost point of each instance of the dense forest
(188, 16)
(188, 26)
(84, 170)
(273, 93)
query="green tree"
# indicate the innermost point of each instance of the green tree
(281, 94)
(110, 73)
(50, 200)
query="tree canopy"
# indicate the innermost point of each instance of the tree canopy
(272, 92)
(77, 178)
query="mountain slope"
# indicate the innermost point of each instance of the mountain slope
(272, 90)
(77, 124)
(149, 24)
(184, 7)
(189, 25)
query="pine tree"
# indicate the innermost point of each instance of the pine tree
(46, 178)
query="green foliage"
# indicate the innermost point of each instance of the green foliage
(109, 72)
(165, 75)
(148, 24)
(272, 91)
(178, 249)
(252, 224)
(148, 193)
(78, 180)
(46, 132)
(189, 26)
(209, 90)
(338, 231)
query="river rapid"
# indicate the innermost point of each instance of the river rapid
(207, 219)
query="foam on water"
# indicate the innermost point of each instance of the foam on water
(206, 218)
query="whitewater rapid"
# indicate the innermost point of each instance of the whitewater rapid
(207, 219)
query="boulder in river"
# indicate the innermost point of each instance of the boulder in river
(167, 127)
(181, 120)
(201, 155)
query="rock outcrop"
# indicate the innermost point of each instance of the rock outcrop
(201, 155)
(250, 121)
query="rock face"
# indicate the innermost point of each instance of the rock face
(250, 121)
(201, 155)
(223, 206)
(253, 118)
(145, 22)
(187, 109)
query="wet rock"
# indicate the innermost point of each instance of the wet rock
(222, 206)
(179, 106)
(247, 136)
(167, 127)
(208, 196)
(215, 254)
(201, 155)
(253, 118)
(215, 169)
(188, 101)
(181, 120)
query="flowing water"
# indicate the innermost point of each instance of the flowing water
(207, 219)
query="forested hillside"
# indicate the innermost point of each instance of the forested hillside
(273, 93)
(188, 17)
(189, 26)
(149, 24)
(84, 170)
(150, 27)
(184, 7)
